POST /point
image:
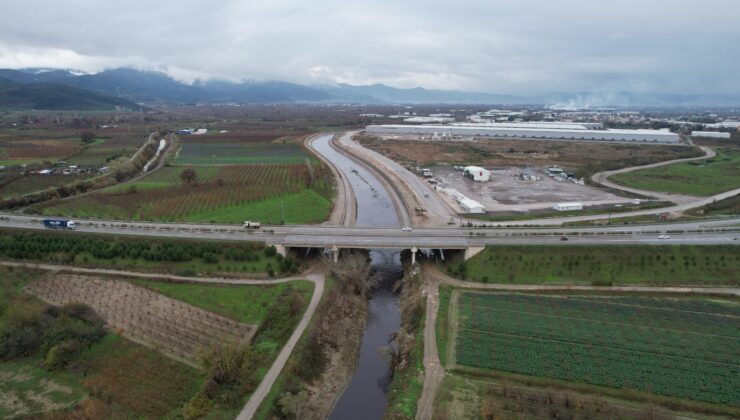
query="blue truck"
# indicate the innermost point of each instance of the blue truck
(59, 224)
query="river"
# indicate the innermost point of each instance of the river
(366, 396)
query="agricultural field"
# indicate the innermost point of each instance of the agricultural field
(462, 396)
(173, 327)
(603, 264)
(119, 378)
(55, 150)
(244, 303)
(673, 347)
(701, 178)
(111, 377)
(241, 153)
(220, 194)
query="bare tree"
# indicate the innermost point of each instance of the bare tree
(352, 272)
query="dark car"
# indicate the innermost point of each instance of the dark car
(563, 238)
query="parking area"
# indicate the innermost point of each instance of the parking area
(506, 191)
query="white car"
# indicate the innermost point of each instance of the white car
(406, 229)
(664, 236)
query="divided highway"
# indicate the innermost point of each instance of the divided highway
(709, 232)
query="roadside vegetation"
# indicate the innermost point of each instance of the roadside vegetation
(702, 178)
(174, 256)
(602, 265)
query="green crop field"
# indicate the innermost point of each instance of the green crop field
(221, 194)
(245, 303)
(685, 348)
(705, 177)
(241, 153)
(597, 264)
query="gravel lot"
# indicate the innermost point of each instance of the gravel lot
(507, 192)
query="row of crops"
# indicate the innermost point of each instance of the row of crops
(220, 153)
(164, 196)
(686, 348)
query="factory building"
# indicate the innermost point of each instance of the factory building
(724, 124)
(711, 134)
(471, 206)
(568, 206)
(477, 173)
(642, 136)
(546, 125)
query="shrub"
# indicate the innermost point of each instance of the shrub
(62, 354)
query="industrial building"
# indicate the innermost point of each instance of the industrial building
(547, 125)
(471, 206)
(568, 206)
(711, 134)
(642, 136)
(724, 124)
(477, 173)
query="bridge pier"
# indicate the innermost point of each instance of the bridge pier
(413, 256)
(335, 254)
(472, 251)
(281, 249)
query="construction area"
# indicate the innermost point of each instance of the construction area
(513, 189)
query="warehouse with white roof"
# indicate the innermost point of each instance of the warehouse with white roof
(642, 136)
(711, 134)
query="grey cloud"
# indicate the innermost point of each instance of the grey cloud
(521, 47)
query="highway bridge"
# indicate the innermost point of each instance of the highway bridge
(469, 240)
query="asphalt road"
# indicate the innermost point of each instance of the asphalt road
(712, 232)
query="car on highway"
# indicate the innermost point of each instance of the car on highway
(406, 229)
(563, 238)
(664, 236)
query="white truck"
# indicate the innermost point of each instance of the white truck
(248, 224)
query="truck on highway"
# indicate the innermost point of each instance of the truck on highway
(59, 224)
(251, 225)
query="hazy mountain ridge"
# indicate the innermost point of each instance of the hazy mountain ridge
(55, 96)
(156, 87)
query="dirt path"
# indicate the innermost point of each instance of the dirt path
(603, 178)
(268, 381)
(264, 388)
(434, 372)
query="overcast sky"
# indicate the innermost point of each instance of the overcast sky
(514, 46)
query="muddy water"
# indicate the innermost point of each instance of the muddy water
(366, 395)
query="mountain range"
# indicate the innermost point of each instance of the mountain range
(121, 87)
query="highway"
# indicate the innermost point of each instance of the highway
(710, 232)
